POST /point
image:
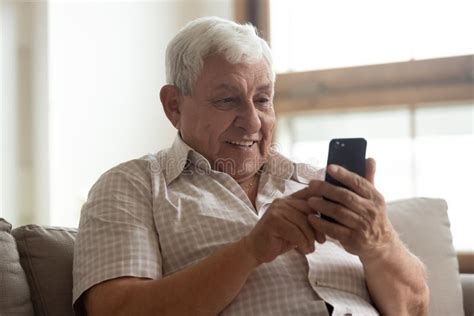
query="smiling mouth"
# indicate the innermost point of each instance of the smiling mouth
(242, 143)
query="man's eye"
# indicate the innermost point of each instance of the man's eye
(227, 100)
(226, 103)
(263, 101)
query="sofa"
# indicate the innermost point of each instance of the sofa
(36, 262)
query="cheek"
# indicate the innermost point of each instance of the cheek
(210, 128)
(217, 125)
(189, 127)
(194, 127)
(268, 125)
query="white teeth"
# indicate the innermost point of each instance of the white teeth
(247, 143)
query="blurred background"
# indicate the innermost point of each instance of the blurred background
(80, 83)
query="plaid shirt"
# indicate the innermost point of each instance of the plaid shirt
(156, 215)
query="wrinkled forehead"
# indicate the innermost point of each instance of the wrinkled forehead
(218, 73)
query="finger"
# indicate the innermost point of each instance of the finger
(305, 252)
(341, 214)
(352, 180)
(341, 195)
(333, 230)
(320, 237)
(347, 198)
(296, 214)
(299, 205)
(299, 220)
(291, 233)
(286, 246)
(311, 190)
(303, 206)
(370, 167)
(302, 194)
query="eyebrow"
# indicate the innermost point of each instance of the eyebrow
(225, 86)
(266, 88)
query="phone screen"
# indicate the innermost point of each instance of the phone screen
(348, 153)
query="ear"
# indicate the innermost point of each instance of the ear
(170, 99)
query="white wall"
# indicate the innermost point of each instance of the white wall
(79, 94)
(8, 113)
(106, 66)
(24, 112)
(40, 176)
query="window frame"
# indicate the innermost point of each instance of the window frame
(418, 82)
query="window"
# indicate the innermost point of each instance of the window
(398, 73)
(420, 152)
(309, 35)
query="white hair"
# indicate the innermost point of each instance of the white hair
(202, 37)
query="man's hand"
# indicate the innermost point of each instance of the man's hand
(363, 227)
(395, 278)
(284, 226)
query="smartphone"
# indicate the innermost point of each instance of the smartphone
(348, 153)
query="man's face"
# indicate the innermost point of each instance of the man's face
(229, 119)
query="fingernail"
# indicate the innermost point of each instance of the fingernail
(333, 168)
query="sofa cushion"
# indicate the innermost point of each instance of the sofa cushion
(46, 255)
(14, 290)
(423, 225)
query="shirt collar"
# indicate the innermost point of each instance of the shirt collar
(180, 156)
(279, 166)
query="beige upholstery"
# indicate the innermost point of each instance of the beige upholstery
(14, 290)
(46, 256)
(423, 225)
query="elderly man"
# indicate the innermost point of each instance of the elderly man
(219, 223)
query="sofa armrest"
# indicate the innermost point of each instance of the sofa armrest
(466, 261)
(467, 282)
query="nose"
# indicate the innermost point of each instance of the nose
(248, 118)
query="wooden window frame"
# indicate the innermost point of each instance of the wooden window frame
(420, 82)
(256, 12)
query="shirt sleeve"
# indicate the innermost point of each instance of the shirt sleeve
(117, 235)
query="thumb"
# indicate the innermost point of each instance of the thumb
(370, 169)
